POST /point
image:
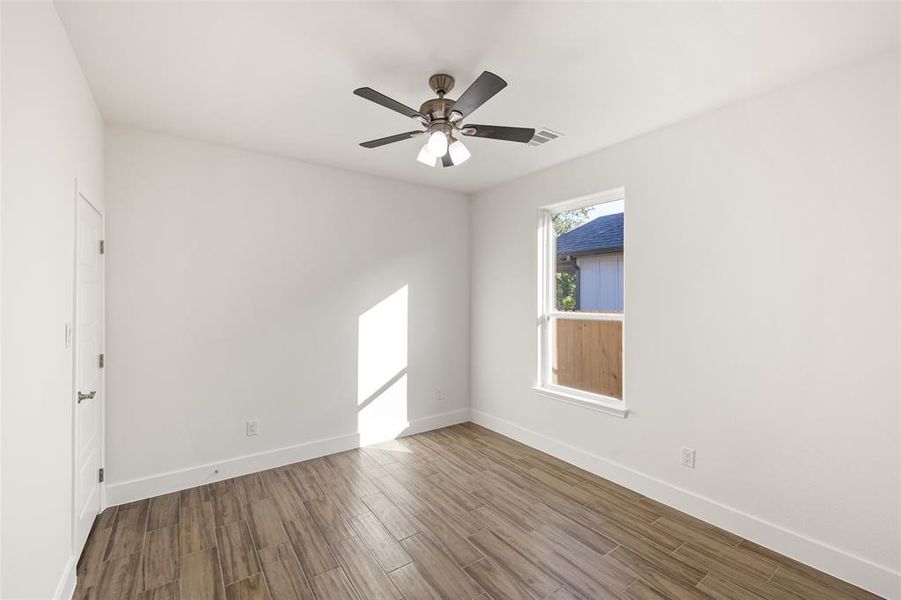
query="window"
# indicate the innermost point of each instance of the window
(581, 321)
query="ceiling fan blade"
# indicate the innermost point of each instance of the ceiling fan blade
(497, 132)
(379, 98)
(481, 90)
(391, 139)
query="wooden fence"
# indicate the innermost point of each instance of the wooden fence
(589, 356)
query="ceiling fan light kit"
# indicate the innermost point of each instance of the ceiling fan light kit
(458, 152)
(437, 144)
(426, 158)
(441, 118)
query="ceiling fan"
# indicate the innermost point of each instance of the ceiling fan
(441, 118)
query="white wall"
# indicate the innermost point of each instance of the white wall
(236, 286)
(762, 314)
(51, 134)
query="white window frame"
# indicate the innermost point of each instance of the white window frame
(547, 309)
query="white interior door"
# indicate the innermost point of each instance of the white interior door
(88, 377)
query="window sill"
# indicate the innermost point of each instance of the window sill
(608, 406)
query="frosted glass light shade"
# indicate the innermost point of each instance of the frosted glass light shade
(426, 158)
(437, 144)
(459, 153)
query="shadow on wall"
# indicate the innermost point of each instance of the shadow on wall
(382, 370)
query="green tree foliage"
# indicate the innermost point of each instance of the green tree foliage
(569, 220)
(566, 291)
(566, 282)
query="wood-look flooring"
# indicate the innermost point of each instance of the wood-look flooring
(458, 513)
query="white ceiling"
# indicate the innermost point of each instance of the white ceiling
(277, 77)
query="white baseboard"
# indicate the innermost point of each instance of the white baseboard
(861, 572)
(66, 586)
(173, 481)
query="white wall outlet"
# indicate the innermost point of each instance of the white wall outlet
(439, 395)
(688, 458)
(253, 427)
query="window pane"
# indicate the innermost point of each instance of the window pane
(589, 261)
(588, 355)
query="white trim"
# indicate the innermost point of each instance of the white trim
(588, 200)
(583, 316)
(172, 481)
(596, 402)
(879, 579)
(546, 292)
(65, 589)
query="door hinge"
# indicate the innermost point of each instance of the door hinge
(101, 475)
(102, 247)
(101, 361)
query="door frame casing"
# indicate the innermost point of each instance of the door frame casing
(80, 195)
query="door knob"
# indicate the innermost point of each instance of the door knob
(87, 396)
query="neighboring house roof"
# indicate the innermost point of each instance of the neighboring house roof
(604, 234)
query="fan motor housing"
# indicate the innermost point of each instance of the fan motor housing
(437, 108)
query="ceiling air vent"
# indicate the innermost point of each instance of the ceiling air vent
(543, 136)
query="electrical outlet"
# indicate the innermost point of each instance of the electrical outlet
(253, 428)
(688, 458)
(439, 395)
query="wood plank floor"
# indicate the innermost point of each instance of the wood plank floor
(457, 513)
